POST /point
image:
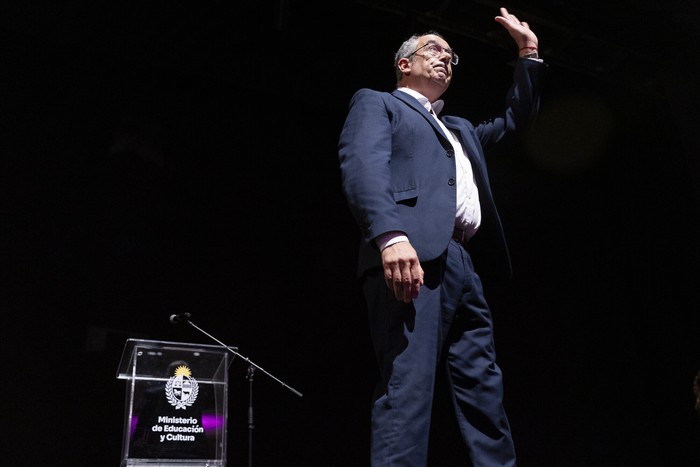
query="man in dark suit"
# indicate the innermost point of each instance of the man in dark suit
(418, 187)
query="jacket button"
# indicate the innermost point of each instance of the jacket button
(451, 181)
(450, 153)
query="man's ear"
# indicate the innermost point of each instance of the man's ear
(404, 64)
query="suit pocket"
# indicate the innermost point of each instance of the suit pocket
(406, 197)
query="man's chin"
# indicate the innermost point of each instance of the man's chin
(443, 81)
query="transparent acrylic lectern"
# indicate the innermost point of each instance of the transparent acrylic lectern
(176, 410)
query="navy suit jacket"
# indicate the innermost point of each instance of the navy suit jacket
(398, 171)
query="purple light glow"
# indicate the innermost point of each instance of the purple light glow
(210, 422)
(134, 421)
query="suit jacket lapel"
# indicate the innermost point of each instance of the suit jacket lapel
(418, 107)
(470, 147)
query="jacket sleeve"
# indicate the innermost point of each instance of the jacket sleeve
(522, 103)
(365, 147)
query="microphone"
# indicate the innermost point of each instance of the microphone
(180, 318)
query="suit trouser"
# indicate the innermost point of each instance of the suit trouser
(450, 315)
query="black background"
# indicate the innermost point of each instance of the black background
(161, 159)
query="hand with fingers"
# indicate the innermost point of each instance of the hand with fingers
(403, 273)
(520, 31)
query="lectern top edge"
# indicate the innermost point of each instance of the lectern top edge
(125, 370)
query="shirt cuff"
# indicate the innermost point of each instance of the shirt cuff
(389, 238)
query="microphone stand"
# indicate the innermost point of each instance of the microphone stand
(185, 317)
(249, 377)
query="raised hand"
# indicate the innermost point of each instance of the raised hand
(520, 31)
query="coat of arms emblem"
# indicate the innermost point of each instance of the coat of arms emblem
(181, 389)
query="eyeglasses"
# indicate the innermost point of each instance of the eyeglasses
(434, 49)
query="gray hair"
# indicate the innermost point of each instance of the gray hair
(408, 48)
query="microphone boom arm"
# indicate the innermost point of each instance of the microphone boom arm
(186, 317)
